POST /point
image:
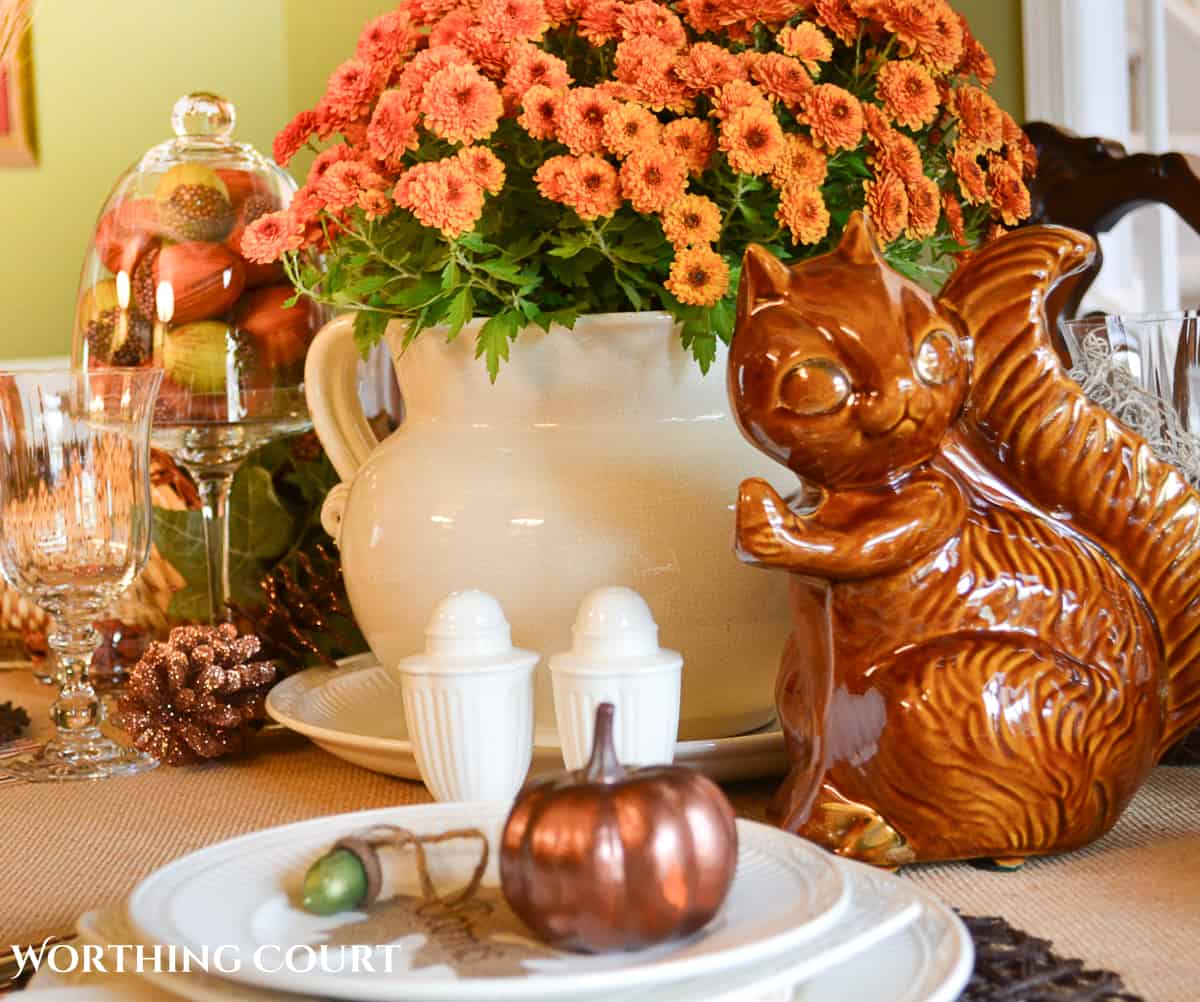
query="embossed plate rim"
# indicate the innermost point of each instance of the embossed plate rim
(755, 755)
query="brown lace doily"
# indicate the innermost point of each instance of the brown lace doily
(1012, 966)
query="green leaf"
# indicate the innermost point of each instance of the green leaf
(459, 313)
(369, 326)
(506, 271)
(704, 349)
(493, 340)
(260, 531)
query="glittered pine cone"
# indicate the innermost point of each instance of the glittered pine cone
(197, 696)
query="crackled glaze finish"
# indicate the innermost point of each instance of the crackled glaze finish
(995, 588)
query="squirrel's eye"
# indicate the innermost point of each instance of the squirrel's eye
(937, 357)
(817, 386)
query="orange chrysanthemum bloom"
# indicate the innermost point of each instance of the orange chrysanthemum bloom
(803, 211)
(269, 237)
(972, 182)
(908, 93)
(954, 216)
(539, 111)
(1008, 194)
(551, 177)
(386, 40)
(896, 154)
(924, 208)
(708, 67)
(980, 120)
(461, 105)
(486, 169)
(877, 126)
(344, 182)
(442, 196)
(352, 88)
(976, 61)
(428, 11)
(451, 28)
(652, 179)
(599, 24)
(693, 140)
(514, 20)
(887, 206)
(590, 187)
(739, 94)
(419, 70)
(692, 220)
(650, 71)
(393, 128)
(375, 204)
(801, 163)
(752, 139)
(808, 43)
(707, 15)
(529, 66)
(581, 119)
(947, 51)
(647, 19)
(563, 11)
(326, 159)
(835, 117)
(630, 127)
(1019, 148)
(839, 17)
(699, 276)
(783, 77)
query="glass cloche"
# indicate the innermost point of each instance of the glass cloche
(165, 284)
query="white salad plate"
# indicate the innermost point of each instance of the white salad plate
(355, 712)
(894, 943)
(241, 895)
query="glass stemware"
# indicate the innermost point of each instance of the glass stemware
(1145, 369)
(75, 529)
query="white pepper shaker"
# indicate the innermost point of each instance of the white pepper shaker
(468, 702)
(615, 658)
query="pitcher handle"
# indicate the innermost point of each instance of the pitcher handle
(331, 387)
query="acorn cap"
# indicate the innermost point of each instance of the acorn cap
(615, 631)
(468, 632)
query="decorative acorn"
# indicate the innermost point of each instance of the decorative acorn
(205, 280)
(605, 859)
(193, 203)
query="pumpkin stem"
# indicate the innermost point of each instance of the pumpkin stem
(603, 766)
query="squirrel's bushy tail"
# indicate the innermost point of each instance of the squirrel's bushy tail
(1070, 456)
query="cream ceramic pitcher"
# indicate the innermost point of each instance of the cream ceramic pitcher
(600, 456)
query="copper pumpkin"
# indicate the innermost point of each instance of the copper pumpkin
(996, 586)
(605, 859)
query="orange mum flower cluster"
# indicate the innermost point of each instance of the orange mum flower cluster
(716, 121)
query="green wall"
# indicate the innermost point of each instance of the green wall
(997, 23)
(107, 72)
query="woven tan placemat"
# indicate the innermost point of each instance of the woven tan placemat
(1130, 903)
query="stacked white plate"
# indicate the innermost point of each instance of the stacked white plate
(799, 924)
(356, 712)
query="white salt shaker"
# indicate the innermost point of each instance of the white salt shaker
(615, 658)
(468, 702)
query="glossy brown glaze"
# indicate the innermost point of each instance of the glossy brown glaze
(606, 859)
(996, 630)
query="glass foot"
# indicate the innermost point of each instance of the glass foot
(87, 755)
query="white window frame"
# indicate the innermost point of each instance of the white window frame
(1068, 44)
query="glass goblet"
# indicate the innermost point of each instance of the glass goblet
(75, 528)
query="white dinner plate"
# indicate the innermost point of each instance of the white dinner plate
(355, 712)
(240, 894)
(919, 952)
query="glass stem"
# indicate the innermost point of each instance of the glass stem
(76, 711)
(214, 486)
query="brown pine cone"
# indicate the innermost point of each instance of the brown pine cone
(196, 697)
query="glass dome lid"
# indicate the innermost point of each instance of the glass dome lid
(165, 283)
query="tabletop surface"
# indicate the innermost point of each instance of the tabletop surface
(1130, 903)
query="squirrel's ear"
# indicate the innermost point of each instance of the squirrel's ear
(858, 244)
(764, 277)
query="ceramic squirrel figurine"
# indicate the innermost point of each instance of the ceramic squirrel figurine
(996, 586)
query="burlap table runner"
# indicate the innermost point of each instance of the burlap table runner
(1130, 903)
